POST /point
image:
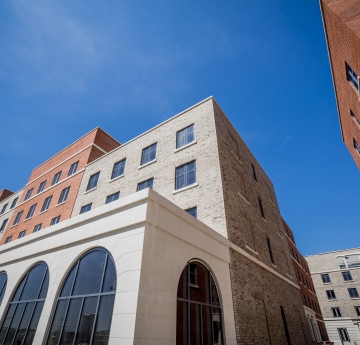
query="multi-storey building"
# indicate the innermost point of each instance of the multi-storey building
(336, 276)
(342, 29)
(130, 266)
(307, 290)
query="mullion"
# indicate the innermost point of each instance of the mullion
(22, 289)
(41, 285)
(194, 302)
(10, 321)
(211, 311)
(78, 321)
(17, 328)
(201, 325)
(29, 300)
(3, 287)
(27, 328)
(188, 302)
(86, 295)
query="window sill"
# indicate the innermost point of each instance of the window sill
(90, 190)
(116, 178)
(247, 201)
(185, 146)
(332, 300)
(62, 203)
(251, 250)
(278, 233)
(353, 298)
(185, 188)
(27, 219)
(327, 283)
(288, 275)
(264, 220)
(236, 157)
(147, 164)
(13, 226)
(273, 265)
(41, 212)
(348, 281)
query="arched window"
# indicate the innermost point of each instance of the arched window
(199, 319)
(84, 308)
(3, 280)
(24, 310)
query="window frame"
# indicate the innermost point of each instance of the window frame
(8, 239)
(73, 168)
(325, 275)
(186, 136)
(331, 295)
(190, 210)
(271, 255)
(46, 204)
(18, 217)
(357, 310)
(3, 225)
(144, 160)
(121, 169)
(64, 195)
(37, 227)
(346, 275)
(108, 201)
(353, 293)
(336, 312)
(21, 234)
(343, 334)
(185, 174)
(85, 208)
(13, 204)
(152, 184)
(41, 187)
(4, 209)
(28, 194)
(56, 178)
(90, 185)
(55, 220)
(31, 211)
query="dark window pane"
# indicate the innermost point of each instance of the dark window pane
(181, 323)
(14, 324)
(33, 325)
(216, 324)
(33, 283)
(45, 286)
(57, 323)
(19, 290)
(195, 329)
(24, 323)
(110, 277)
(200, 290)
(66, 290)
(7, 321)
(214, 294)
(102, 330)
(90, 272)
(86, 321)
(71, 321)
(3, 280)
(206, 325)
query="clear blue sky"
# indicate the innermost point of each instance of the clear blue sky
(69, 66)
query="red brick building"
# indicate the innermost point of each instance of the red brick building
(342, 28)
(307, 290)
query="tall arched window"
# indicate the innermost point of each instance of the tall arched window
(24, 310)
(84, 308)
(3, 280)
(199, 319)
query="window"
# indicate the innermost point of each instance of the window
(22, 234)
(85, 208)
(198, 315)
(185, 175)
(18, 216)
(343, 334)
(356, 145)
(185, 136)
(64, 194)
(8, 239)
(292, 252)
(37, 228)
(3, 225)
(347, 276)
(3, 209)
(145, 184)
(353, 293)
(3, 281)
(253, 172)
(93, 181)
(73, 168)
(148, 154)
(330, 294)
(118, 169)
(14, 203)
(270, 250)
(283, 316)
(352, 77)
(23, 313)
(28, 194)
(112, 197)
(31, 211)
(55, 220)
(87, 299)
(46, 203)
(56, 178)
(325, 278)
(192, 211)
(357, 310)
(348, 261)
(263, 214)
(336, 312)
(41, 187)
(354, 117)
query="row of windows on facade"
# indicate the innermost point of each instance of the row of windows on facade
(299, 261)
(304, 281)
(290, 235)
(337, 313)
(311, 304)
(13, 204)
(346, 276)
(353, 293)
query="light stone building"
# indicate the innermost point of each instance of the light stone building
(336, 277)
(132, 267)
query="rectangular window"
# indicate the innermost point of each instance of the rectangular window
(22, 234)
(41, 187)
(193, 275)
(112, 197)
(356, 145)
(18, 216)
(330, 294)
(8, 239)
(254, 172)
(192, 211)
(261, 209)
(46, 203)
(64, 194)
(185, 175)
(325, 278)
(118, 169)
(145, 184)
(185, 136)
(354, 117)
(31, 211)
(73, 168)
(357, 310)
(14, 203)
(148, 154)
(343, 334)
(3, 209)
(28, 194)
(352, 77)
(37, 228)
(3, 225)
(347, 276)
(85, 208)
(93, 181)
(55, 220)
(336, 312)
(270, 250)
(56, 178)
(353, 293)
(285, 325)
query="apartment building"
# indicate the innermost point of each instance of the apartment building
(307, 289)
(336, 277)
(342, 29)
(174, 237)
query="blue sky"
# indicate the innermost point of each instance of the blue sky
(69, 66)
